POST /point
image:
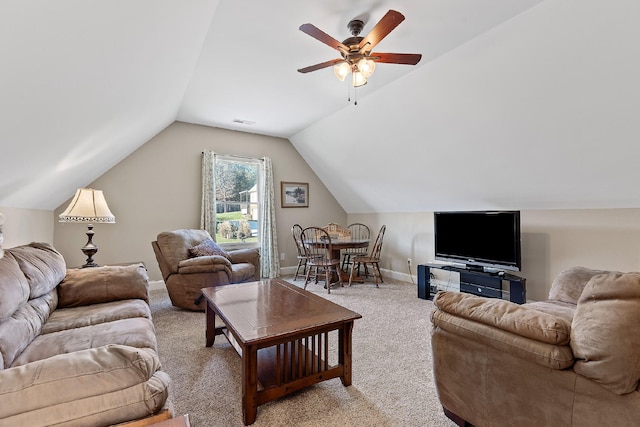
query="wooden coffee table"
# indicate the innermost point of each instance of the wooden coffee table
(282, 333)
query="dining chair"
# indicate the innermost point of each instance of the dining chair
(296, 232)
(373, 258)
(318, 250)
(358, 231)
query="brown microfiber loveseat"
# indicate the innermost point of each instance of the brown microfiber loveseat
(77, 346)
(572, 360)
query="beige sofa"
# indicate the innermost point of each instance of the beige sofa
(185, 274)
(77, 346)
(573, 360)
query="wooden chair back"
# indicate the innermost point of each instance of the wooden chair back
(358, 231)
(373, 259)
(317, 245)
(318, 250)
(377, 246)
(296, 232)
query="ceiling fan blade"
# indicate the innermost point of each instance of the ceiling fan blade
(388, 22)
(325, 38)
(396, 58)
(320, 66)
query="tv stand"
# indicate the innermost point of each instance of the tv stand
(469, 267)
(475, 281)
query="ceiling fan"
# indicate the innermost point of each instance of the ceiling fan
(357, 56)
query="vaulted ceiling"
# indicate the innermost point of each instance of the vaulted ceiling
(519, 104)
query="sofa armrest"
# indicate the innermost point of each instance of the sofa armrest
(250, 256)
(505, 315)
(95, 285)
(98, 386)
(209, 260)
(205, 264)
(527, 333)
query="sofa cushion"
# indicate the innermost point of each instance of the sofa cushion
(135, 332)
(605, 336)
(563, 310)
(42, 265)
(90, 387)
(94, 314)
(85, 286)
(14, 288)
(206, 248)
(569, 284)
(17, 332)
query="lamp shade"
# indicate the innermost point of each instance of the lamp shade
(342, 70)
(88, 205)
(358, 79)
(366, 66)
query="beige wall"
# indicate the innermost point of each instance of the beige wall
(552, 240)
(22, 226)
(157, 188)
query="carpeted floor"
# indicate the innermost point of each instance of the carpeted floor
(392, 377)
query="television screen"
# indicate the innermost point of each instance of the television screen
(479, 238)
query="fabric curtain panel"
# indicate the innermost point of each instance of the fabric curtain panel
(208, 208)
(269, 260)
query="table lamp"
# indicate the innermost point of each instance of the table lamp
(88, 205)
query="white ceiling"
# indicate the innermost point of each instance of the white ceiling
(516, 103)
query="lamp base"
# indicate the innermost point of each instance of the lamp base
(89, 249)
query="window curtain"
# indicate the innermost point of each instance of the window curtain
(208, 207)
(269, 260)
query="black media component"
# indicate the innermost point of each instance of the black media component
(486, 284)
(423, 282)
(479, 239)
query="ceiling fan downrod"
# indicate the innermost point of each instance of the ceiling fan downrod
(355, 27)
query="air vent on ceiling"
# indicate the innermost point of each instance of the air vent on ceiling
(243, 122)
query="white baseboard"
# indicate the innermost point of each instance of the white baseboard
(156, 284)
(395, 275)
(288, 271)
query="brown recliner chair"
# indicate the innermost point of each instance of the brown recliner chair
(185, 276)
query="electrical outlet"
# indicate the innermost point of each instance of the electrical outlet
(281, 256)
(409, 261)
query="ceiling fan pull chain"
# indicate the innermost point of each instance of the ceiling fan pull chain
(355, 96)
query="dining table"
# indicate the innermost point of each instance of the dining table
(337, 245)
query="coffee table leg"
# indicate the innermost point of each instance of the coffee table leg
(344, 349)
(249, 384)
(211, 324)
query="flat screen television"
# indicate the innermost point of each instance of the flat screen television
(479, 239)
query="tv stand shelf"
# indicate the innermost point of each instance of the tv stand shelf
(487, 284)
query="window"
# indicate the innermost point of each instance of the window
(237, 199)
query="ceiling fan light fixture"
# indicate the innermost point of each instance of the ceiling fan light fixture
(358, 79)
(341, 70)
(366, 66)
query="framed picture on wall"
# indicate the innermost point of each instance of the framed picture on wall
(294, 194)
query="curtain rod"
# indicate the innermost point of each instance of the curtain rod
(235, 155)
